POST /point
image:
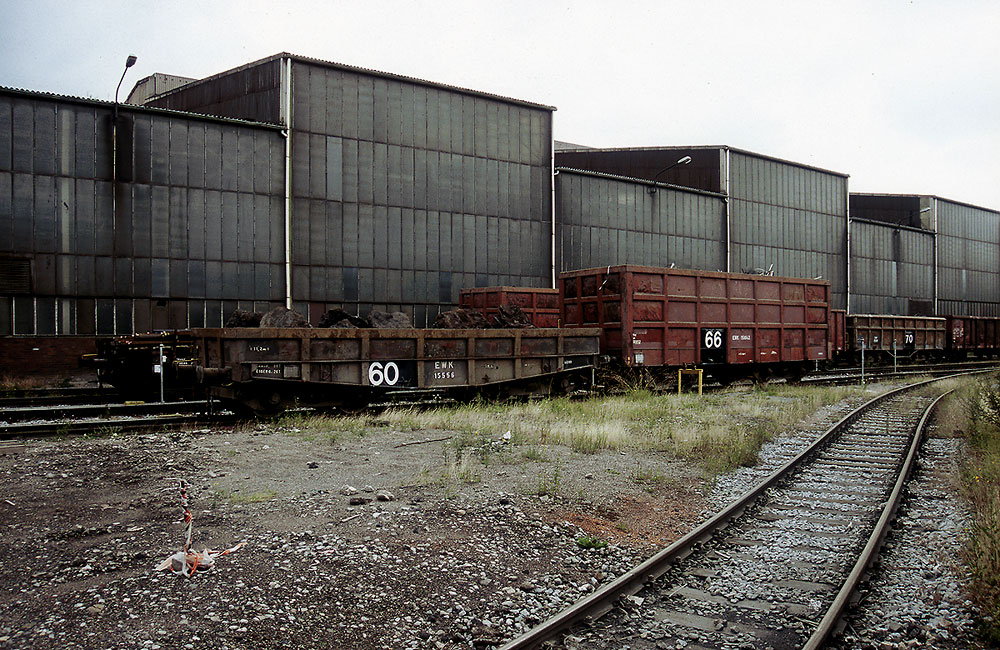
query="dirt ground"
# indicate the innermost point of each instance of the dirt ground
(385, 540)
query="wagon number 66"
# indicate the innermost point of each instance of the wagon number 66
(713, 339)
(379, 374)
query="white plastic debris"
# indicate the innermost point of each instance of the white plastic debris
(186, 561)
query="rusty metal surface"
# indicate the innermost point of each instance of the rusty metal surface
(541, 306)
(973, 333)
(653, 316)
(396, 358)
(907, 333)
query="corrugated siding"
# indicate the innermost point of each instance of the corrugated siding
(403, 194)
(891, 270)
(789, 220)
(198, 218)
(247, 94)
(604, 221)
(968, 260)
(704, 172)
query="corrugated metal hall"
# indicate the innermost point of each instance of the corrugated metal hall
(116, 219)
(402, 191)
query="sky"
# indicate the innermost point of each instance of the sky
(902, 95)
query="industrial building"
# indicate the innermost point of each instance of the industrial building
(310, 184)
(923, 255)
(117, 220)
(768, 215)
(401, 192)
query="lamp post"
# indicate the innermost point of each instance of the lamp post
(683, 161)
(129, 62)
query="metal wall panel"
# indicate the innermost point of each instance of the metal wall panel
(789, 219)
(61, 212)
(892, 269)
(602, 221)
(415, 176)
(968, 258)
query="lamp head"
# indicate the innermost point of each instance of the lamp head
(130, 61)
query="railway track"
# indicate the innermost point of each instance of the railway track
(775, 568)
(59, 396)
(162, 417)
(840, 376)
(48, 413)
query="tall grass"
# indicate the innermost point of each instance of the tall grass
(720, 431)
(981, 480)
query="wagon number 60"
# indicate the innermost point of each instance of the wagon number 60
(379, 374)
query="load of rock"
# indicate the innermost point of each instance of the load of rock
(338, 318)
(241, 318)
(511, 317)
(389, 320)
(507, 317)
(282, 317)
(461, 319)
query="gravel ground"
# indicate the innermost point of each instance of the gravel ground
(413, 559)
(916, 599)
(428, 552)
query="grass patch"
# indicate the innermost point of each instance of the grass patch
(647, 474)
(11, 385)
(719, 431)
(243, 498)
(591, 542)
(323, 427)
(981, 483)
(548, 484)
(535, 454)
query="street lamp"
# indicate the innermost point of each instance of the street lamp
(683, 161)
(129, 62)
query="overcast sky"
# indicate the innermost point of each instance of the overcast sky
(902, 95)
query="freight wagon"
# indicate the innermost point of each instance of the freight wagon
(266, 370)
(541, 306)
(881, 336)
(978, 335)
(731, 324)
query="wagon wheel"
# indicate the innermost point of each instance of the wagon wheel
(761, 374)
(266, 402)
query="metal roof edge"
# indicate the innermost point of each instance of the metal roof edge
(639, 181)
(890, 224)
(134, 108)
(926, 196)
(745, 152)
(366, 71)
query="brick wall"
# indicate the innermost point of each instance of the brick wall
(45, 356)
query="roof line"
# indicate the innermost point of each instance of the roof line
(890, 224)
(925, 196)
(640, 181)
(366, 71)
(135, 108)
(746, 152)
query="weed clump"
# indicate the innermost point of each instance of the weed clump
(981, 483)
(591, 542)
